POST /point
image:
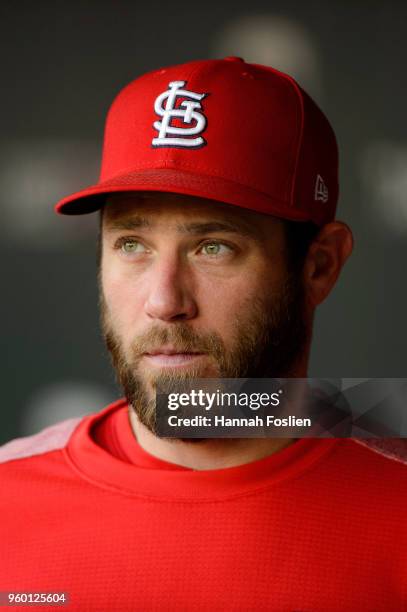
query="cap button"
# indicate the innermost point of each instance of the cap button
(233, 58)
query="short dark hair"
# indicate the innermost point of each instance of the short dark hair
(99, 241)
(299, 235)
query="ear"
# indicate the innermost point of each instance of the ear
(325, 258)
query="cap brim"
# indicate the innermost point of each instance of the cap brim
(176, 181)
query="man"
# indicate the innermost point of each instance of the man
(218, 240)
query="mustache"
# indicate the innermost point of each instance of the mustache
(180, 337)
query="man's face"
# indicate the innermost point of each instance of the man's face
(191, 288)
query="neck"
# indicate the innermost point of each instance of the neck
(209, 453)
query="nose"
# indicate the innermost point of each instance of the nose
(169, 294)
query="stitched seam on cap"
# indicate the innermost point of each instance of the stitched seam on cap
(300, 139)
(293, 86)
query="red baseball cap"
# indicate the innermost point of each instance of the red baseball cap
(226, 130)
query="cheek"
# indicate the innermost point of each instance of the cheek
(223, 303)
(123, 301)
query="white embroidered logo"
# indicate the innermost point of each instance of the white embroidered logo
(321, 190)
(170, 135)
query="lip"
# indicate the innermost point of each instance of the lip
(169, 350)
(170, 357)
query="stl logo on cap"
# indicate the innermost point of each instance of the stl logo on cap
(188, 111)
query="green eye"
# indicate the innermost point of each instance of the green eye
(216, 248)
(212, 249)
(131, 246)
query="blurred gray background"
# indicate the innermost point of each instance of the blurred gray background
(63, 62)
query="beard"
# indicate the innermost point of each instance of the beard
(269, 338)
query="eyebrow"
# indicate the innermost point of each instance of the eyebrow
(128, 224)
(194, 228)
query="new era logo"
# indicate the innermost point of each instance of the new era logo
(321, 190)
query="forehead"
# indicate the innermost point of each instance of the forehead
(168, 210)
